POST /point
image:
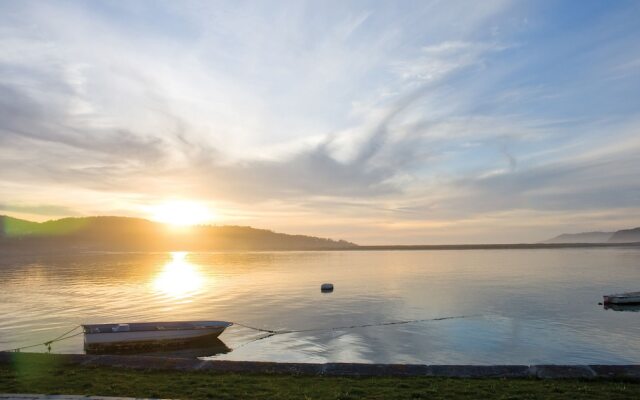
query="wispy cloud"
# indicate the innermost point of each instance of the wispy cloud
(422, 119)
(43, 209)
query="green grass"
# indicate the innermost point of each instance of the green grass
(46, 375)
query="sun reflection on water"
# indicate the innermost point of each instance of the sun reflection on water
(179, 278)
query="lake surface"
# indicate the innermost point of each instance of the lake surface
(511, 306)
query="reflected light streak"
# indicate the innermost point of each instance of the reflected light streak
(179, 278)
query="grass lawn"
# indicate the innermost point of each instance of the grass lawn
(45, 375)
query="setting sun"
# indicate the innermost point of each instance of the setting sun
(182, 213)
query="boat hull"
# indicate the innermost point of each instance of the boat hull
(158, 338)
(624, 298)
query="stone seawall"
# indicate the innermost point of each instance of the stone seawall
(622, 372)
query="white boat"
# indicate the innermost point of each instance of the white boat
(623, 298)
(102, 337)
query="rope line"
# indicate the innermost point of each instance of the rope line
(411, 321)
(48, 343)
(270, 332)
(64, 334)
(253, 328)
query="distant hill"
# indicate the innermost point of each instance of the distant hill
(585, 237)
(626, 236)
(135, 234)
(621, 236)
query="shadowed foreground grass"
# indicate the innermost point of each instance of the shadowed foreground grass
(42, 376)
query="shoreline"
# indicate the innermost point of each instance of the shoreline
(499, 246)
(428, 247)
(172, 378)
(546, 371)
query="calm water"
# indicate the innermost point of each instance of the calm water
(522, 306)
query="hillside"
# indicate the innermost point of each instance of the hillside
(626, 236)
(135, 234)
(585, 237)
(621, 236)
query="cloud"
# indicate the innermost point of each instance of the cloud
(381, 114)
(45, 210)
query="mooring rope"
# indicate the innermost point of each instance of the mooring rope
(48, 342)
(335, 328)
(411, 321)
(271, 332)
(253, 328)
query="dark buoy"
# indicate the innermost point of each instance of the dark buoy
(326, 287)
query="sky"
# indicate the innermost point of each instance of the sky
(378, 122)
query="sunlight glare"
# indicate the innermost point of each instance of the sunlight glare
(182, 213)
(179, 278)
